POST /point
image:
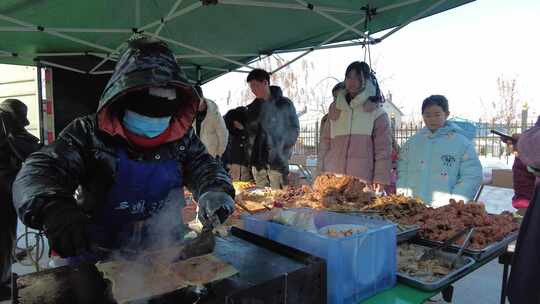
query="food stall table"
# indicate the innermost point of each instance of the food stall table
(403, 294)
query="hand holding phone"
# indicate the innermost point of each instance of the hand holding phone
(505, 137)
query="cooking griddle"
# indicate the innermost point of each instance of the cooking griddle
(269, 272)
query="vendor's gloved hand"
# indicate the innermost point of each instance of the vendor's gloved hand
(215, 204)
(65, 227)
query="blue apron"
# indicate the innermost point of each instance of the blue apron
(143, 192)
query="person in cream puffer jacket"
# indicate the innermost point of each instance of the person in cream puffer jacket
(360, 132)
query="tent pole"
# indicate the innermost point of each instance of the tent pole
(292, 61)
(335, 20)
(53, 33)
(61, 54)
(206, 56)
(17, 29)
(98, 65)
(102, 55)
(309, 50)
(171, 11)
(341, 32)
(7, 54)
(73, 39)
(102, 72)
(321, 44)
(62, 29)
(90, 30)
(221, 69)
(288, 6)
(417, 16)
(321, 47)
(187, 46)
(40, 101)
(60, 66)
(181, 12)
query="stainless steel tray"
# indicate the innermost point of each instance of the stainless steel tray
(404, 232)
(477, 254)
(464, 264)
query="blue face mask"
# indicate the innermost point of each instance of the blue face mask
(149, 127)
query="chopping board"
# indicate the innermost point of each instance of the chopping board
(153, 274)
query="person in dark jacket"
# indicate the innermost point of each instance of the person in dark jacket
(273, 128)
(131, 160)
(525, 270)
(236, 156)
(15, 145)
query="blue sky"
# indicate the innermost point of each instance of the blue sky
(458, 53)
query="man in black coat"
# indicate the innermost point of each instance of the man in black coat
(273, 128)
(131, 161)
(15, 145)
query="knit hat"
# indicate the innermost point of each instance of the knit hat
(17, 109)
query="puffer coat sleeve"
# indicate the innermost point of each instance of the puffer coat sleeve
(50, 176)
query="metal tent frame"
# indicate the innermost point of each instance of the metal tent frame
(154, 29)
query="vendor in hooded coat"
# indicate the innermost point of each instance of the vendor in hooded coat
(130, 160)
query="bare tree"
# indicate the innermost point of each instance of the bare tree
(507, 106)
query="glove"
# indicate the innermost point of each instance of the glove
(215, 204)
(65, 227)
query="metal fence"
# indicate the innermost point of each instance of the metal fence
(307, 144)
(486, 143)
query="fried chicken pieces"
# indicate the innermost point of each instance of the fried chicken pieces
(329, 192)
(441, 223)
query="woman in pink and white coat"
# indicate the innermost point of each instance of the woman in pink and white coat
(360, 132)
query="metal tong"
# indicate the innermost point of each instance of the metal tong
(431, 253)
(203, 244)
(463, 246)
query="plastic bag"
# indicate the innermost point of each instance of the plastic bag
(299, 219)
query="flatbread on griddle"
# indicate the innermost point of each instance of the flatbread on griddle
(154, 274)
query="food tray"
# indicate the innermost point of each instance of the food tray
(466, 263)
(477, 254)
(404, 232)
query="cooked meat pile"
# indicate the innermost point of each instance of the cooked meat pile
(397, 207)
(329, 191)
(428, 271)
(441, 223)
(334, 190)
(294, 197)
